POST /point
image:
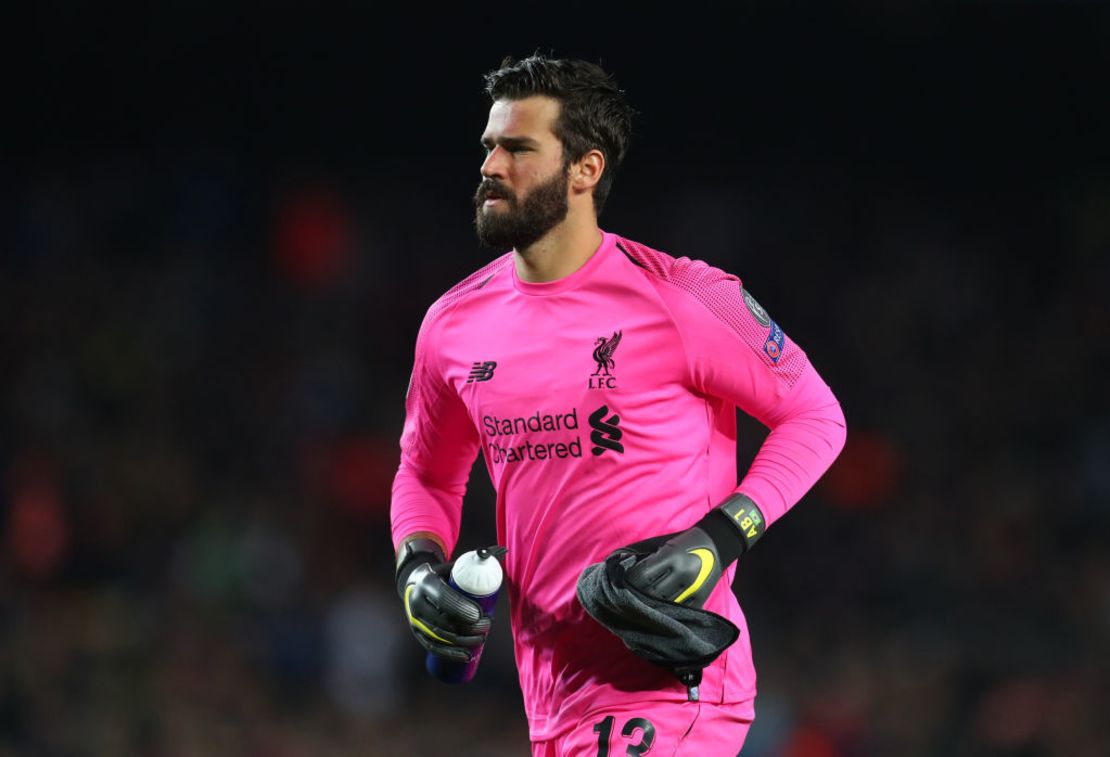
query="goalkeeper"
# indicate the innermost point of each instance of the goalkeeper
(600, 379)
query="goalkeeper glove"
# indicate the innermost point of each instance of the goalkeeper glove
(445, 621)
(687, 565)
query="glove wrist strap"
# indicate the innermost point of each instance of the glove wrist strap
(746, 517)
(734, 526)
(412, 554)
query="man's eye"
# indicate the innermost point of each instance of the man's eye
(512, 149)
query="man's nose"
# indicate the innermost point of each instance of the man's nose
(494, 164)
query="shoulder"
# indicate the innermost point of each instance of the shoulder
(699, 295)
(460, 292)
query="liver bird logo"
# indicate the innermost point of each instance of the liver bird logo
(603, 353)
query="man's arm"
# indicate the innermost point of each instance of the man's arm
(438, 446)
(736, 352)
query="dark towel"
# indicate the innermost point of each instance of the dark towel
(682, 639)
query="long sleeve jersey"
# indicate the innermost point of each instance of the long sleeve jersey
(604, 405)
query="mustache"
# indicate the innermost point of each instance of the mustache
(493, 186)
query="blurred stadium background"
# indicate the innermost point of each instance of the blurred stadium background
(221, 225)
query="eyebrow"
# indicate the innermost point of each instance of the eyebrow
(510, 142)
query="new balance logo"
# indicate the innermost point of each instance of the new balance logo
(481, 371)
(606, 434)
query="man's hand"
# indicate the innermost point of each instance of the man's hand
(445, 621)
(686, 567)
(683, 570)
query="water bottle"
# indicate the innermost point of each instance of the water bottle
(477, 574)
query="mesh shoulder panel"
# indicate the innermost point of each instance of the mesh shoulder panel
(722, 295)
(471, 283)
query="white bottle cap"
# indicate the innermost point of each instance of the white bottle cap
(477, 576)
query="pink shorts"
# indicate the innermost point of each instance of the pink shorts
(659, 729)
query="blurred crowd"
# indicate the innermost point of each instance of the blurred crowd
(203, 390)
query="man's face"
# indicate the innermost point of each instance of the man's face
(523, 194)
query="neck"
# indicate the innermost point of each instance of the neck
(560, 252)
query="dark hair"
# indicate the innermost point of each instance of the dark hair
(593, 112)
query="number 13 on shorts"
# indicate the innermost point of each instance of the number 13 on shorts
(656, 729)
(633, 727)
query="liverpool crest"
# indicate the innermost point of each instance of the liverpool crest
(604, 348)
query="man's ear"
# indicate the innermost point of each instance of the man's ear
(586, 172)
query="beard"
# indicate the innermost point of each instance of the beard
(524, 221)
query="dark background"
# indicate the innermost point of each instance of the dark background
(221, 225)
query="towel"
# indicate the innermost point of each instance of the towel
(681, 639)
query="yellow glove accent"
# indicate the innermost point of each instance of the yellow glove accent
(416, 622)
(706, 557)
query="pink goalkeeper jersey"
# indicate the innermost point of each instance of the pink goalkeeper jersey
(604, 404)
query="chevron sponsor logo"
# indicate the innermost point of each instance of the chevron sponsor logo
(606, 434)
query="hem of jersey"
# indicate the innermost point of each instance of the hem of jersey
(550, 733)
(571, 281)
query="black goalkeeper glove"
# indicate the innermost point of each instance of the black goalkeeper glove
(688, 565)
(445, 621)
